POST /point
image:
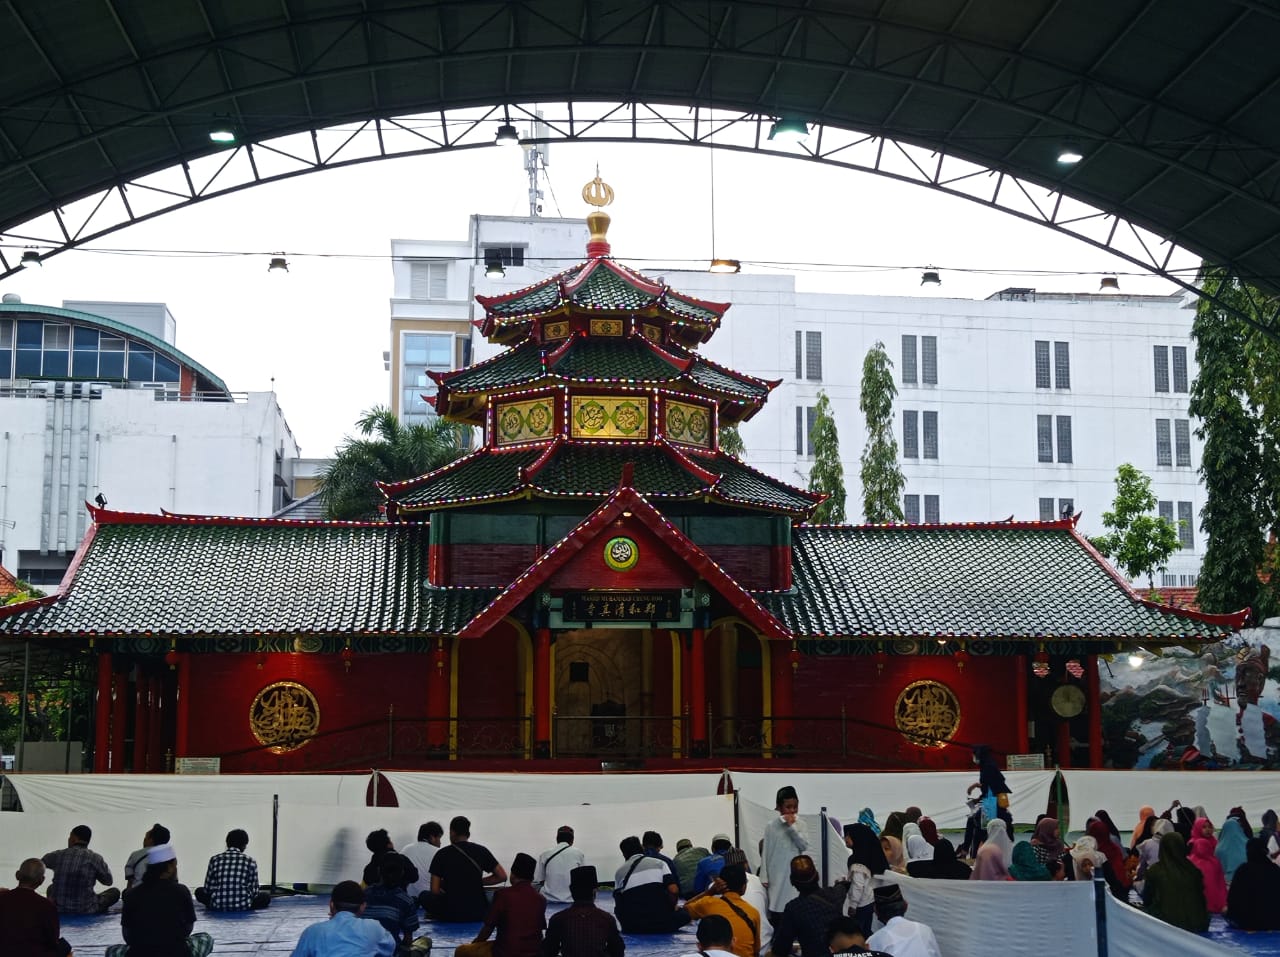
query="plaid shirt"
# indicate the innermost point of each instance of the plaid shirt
(231, 880)
(75, 870)
(582, 930)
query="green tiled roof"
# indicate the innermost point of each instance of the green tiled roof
(605, 289)
(741, 483)
(688, 309)
(607, 357)
(540, 298)
(596, 469)
(964, 581)
(522, 363)
(711, 376)
(484, 474)
(237, 576)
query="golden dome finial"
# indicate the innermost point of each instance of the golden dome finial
(597, 193)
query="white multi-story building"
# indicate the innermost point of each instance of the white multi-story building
(1020, 404)
(96, 400)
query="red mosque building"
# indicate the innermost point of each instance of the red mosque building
(598, 581)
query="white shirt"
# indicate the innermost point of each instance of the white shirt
(421, 853)
(905, 938)
(552, 873)
(713, 952)
(782, 841)
(757, 897)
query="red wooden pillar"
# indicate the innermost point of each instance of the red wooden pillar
(698, 693)
(783, 676)
(182, 710)
(1095, 711)
(1020, 692)
(155, 726)
(102, 716)
(141, 720)
(119, 713)
(542, 693)
(438, 701)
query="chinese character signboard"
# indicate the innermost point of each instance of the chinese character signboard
(601, 607)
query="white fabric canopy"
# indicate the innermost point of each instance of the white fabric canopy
(1131, 931)
(1121, 793)
(475, 790)
(94, 793)
(940, 794)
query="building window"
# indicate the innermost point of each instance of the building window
(929, 360)
(932, 509)
(1182, 442)
(813, 356)
(910, 434)
(805, 417)
(1179, 368)
(1044, 438)
(1161, 354)
(1064, 438)
(1186, 525)
(1046, 510)
(1061, 365)
(423, 353)
(1042, 365)
(507, 255)
(429, 279)
(799, 354)
(1164, 445)
(908, 360)
(911, 509)
(929, 421)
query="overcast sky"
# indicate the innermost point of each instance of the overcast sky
(320, 330)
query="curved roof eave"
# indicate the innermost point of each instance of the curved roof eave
(124, 329)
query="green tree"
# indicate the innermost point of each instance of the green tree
(387, 451)
(882, 478)
(826, 474)
(731, 441)
(1139, 542)
(1236, 510)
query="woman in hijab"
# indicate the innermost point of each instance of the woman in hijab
(893, 825)
(1142, 830)
(944, 865)
(1087, 857)
(1239, 815)
(1183, 821)
(1112, 830)
(1149, 850)
(1268, 834)
(1203, 846)
(867, 817)
(1231, 847)
(893, 852)
(998, 834)
(1046, 843)
(989, 864)
(1251, 902)
(913, 841)
(1025, 867)
(1174, 889)
(866, 861)
(1110, 850)
(928, 830)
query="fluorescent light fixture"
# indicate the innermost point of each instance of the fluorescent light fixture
(30, 257)
(222, 135)
(1069, 153)
(725, 266)
(494, 269)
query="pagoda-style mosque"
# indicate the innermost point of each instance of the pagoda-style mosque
(597, 581)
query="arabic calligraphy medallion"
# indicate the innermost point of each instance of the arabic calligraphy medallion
(927, 713)
(284, 716)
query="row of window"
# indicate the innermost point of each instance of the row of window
(34, 349)
(1162, 364)
(1185, 520)
(927, 367)
(809, 355)
(932, 509)
(913, 424)
(1047, 427)
(1173, 441)
(1061, 368)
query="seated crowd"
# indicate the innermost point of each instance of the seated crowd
(1173, 865)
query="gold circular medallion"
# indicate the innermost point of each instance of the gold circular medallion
(927, 713)
(284, 716)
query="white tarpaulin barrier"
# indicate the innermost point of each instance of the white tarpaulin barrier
(940, 794)
(93, 793)
(1121, 793)
(754, 818)
(325, 847)
(1132, 932)
(472, 791)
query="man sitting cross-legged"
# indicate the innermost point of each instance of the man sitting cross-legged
(231, 879)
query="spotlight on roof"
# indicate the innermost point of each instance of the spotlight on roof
(507, 135)
(789, 129)
(1069, 153)
(101, 500)
(930, 277)
(1109, 284)
(222, 134)
(278, 264)
(494, 269)
(725, 266)
(1135, 659)
(30, 257)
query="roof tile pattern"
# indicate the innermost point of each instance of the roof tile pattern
(483, 474)
(226, 577)
(885, 582)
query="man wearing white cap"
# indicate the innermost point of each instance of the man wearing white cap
(159, 914)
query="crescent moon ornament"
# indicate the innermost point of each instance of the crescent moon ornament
(597, 192)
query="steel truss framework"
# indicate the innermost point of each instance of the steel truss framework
(252, 164)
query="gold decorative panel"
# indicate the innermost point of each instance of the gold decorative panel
(927, 713)
(609, 417)
(688, 423)
(284, 716)
(606, 327)
(651, 332)
(524, 421)
(555, 330)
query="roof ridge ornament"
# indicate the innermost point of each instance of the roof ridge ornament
(599, 194)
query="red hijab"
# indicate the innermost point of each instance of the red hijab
(928, 830)
(1099, 831)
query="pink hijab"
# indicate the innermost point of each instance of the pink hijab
(989, 865)
(1202, 856)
